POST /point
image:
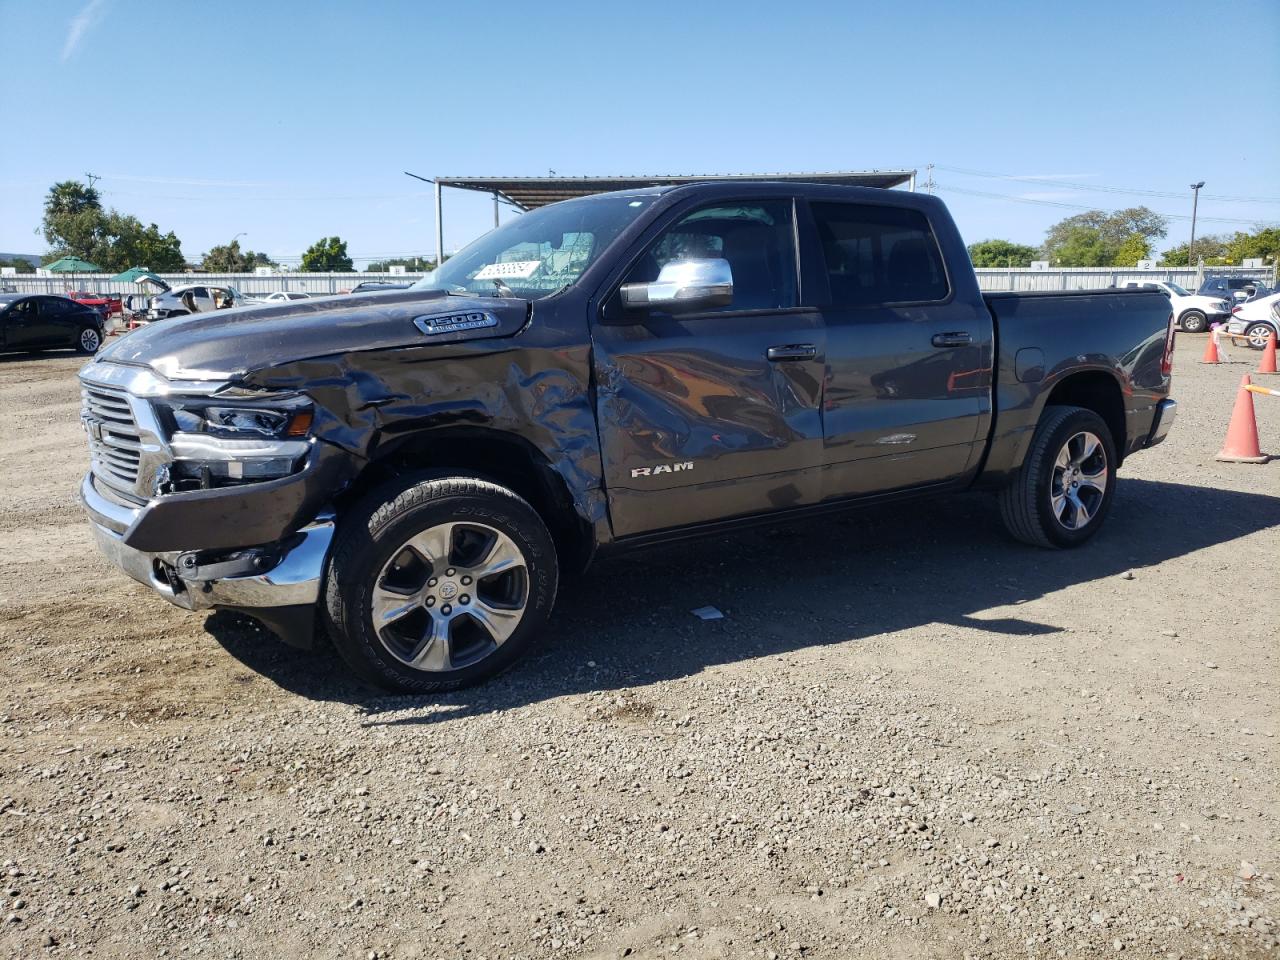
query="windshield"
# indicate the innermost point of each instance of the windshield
(538, 253)
(1177, 289)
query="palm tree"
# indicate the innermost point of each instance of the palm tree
(71, 197)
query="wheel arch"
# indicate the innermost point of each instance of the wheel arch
(1096, 390)
(495, 455)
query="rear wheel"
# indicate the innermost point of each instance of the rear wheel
(1194, 321)
(1258, 335)
(89, 341)
(1061, 495)
(439, 583)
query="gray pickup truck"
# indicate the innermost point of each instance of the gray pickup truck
(413, 472)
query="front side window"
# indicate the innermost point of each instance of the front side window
(21, 311)
(756, 238)
(879, 255)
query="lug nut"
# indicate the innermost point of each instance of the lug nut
(449, 572)
(446, 609)
(464, 599)
(466, 581)
(431, 582)
(431, 601)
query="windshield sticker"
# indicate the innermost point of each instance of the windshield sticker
(520, 269)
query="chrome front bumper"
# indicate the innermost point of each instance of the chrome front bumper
(278, 575)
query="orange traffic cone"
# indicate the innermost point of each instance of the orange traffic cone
(1211, 349)
(1242, 434)
(1268, 364)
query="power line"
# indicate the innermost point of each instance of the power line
(1081, 206)
(1100, 188)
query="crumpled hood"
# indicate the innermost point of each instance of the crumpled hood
(229, 344)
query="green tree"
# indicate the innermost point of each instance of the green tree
(126, 243)
(19, 264)
(1093, 238)
(1211, 249)
(1263, 242)
(411, 264)
(75, 224)
(72, 219)
(327, 253)
(1136, 248)
(228, 258)
(1001, 253)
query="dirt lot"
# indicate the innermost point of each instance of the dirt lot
(910, 737)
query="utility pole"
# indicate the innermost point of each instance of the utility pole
(1195, 202)
(929, 184)
(439, 217)
(92, 177)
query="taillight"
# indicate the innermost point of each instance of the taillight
(1166, 362)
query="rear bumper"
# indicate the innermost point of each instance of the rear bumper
(1166, 413)
(283, 574)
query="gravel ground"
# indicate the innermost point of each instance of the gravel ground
(909, 737)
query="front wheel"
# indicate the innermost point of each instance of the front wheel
(1061, 495)
(1258, 335)
(439, 583)
(1193, 321)
(89, 341)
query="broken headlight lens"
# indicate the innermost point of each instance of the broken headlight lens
(219, 443)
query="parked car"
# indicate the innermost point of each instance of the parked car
(108, 304)
(195, 298)
(1235, 289)
(372, 286)
(283, 296)
(1192, 312)
(1256, 320)
(418, 468)
(30, 321)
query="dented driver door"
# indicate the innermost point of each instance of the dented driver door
(715, 414)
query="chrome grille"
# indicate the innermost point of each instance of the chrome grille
(115, 442)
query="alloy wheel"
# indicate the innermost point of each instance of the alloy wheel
(450, 596)
(1079, 483)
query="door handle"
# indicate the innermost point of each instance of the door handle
(792, 351)
(957, 338)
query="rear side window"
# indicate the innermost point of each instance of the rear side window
(877, 255)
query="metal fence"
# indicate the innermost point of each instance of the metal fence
(319, 284)
(1093, 278)
(316, 284)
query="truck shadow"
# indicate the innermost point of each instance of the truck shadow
(628, 622)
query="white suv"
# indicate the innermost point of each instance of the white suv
(1193, 312)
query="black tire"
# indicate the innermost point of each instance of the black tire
(89, 340)
(377, 531)
(1258, 334)
(1027, 503)
(1194, 321)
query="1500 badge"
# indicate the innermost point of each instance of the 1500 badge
(662, 468)
(453, 322)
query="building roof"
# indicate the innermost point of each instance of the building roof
(531, 192)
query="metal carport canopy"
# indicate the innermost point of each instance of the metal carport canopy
(528, 193)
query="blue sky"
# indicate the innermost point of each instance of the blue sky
(290, 122)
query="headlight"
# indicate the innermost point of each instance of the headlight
(217, 441)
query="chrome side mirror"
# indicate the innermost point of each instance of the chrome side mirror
(683, 286)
